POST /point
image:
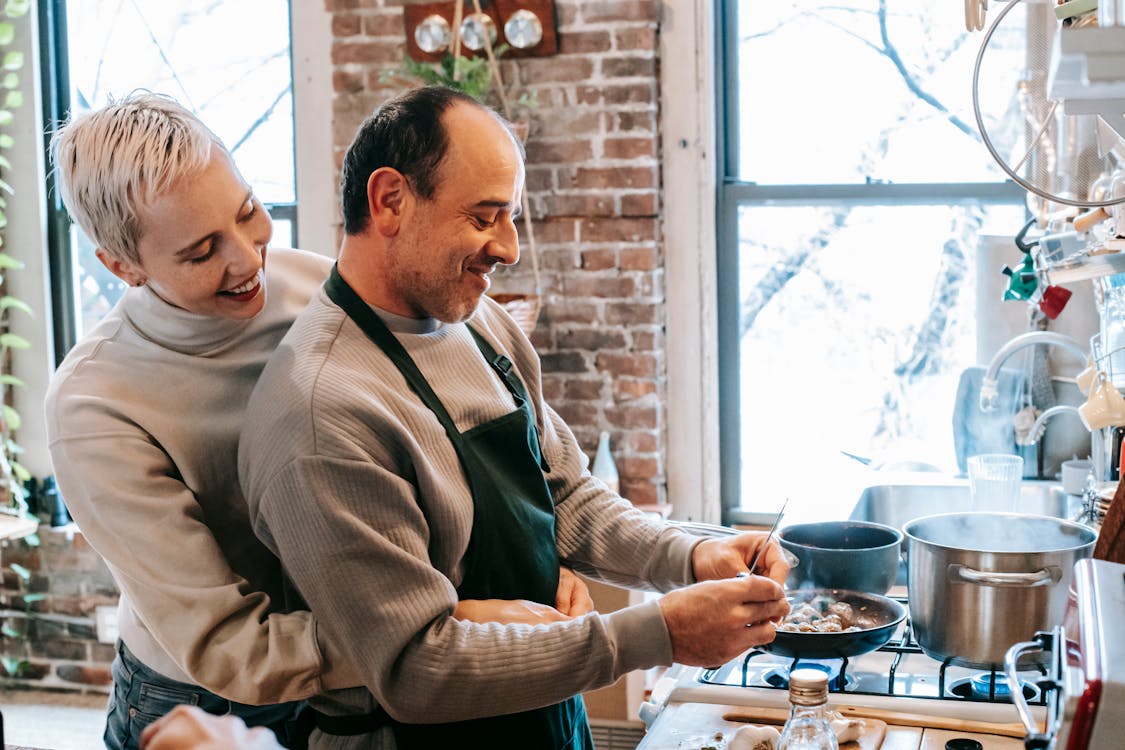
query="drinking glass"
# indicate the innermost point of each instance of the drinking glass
(994, 481)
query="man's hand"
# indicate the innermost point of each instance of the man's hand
(191, 728)
(573, 596)
(712, 622)
(713, 559)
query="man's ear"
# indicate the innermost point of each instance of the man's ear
(122, 269)
(387, 196)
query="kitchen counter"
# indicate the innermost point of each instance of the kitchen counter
(689, 726)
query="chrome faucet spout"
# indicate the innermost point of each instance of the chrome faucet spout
(989, 390)
(1032, 435)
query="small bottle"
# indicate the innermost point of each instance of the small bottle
(604, 467)
(808, 727)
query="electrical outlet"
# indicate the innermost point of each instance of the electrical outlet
(105, 621)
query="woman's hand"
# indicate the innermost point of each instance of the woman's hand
(191, 728)
(507, 611)
(573, 596)
(713, 559)
(572, 599)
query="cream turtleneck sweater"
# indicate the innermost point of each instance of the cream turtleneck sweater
(143, 419)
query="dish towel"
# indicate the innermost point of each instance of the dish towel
(976, 432)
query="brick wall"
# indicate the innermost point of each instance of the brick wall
(47, 602)
(593, 180)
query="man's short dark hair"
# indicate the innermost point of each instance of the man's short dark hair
(404, 133)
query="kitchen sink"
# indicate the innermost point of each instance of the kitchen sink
(896, 504)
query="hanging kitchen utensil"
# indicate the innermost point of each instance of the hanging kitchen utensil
(1054, 156)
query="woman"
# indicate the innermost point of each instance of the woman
(143, 418)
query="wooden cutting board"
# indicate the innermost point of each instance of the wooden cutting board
(870, 738)
(764, 715)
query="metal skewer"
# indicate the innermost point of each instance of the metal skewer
(769, 536)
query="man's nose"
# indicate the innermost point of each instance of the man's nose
(505, 244)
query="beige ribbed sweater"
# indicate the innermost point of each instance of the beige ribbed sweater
(351, 479)
(143, 418)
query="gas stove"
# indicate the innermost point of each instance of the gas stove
(898, 678)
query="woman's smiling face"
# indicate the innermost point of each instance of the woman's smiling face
(203, 243)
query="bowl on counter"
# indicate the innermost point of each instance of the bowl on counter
(852, 555)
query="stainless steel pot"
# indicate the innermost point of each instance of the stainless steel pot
(980, 582)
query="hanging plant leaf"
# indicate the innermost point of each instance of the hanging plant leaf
(12, 380)
(13, 99)
(9, 632)
(12, 60)
(7, 261)
(20, 571)
(17, 8)
(31, 540)
(6, 141)
(8, 301)
(7, 33)
(11, 417)
(10, 81)
(22, 474)
(6, 118)
(14, 341)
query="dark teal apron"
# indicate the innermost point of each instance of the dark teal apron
(511, 552)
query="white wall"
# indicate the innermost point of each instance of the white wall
(688, 206)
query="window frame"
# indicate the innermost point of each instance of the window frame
(55, 85)
(734, 193)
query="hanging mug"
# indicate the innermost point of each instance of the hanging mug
(1086, 378)
(1104, 407)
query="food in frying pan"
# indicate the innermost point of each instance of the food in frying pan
(824, 614)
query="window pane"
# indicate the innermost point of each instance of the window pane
(239, 83)
(825, 99)
(855, 325)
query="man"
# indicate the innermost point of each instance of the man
(397, 457)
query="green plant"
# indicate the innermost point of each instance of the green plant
(471, 75)
(13, 475)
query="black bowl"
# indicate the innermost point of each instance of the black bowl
(851, 555)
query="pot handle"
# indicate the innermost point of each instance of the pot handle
(1043, 577)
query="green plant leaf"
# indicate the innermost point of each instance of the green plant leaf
(6, 141)
(4, 163)
(6, 187)
(20, 471)
(6, 118)
(10, 81)
(9, 632)
(12, 380)
(14, 341)
(13, 99)
(7, 261)
(12, 60)
(32, 598)
(31, 540)
(11, 417)
(21, 571)
(17, 8)
(8, 301)
(14, 448)
(7, 32)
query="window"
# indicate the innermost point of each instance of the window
(229, 62)
(854, 190)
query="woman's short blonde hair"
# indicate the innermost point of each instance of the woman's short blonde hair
(112, 161)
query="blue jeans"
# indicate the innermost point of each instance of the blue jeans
(141, 696)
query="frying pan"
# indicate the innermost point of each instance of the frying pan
(887, 613)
